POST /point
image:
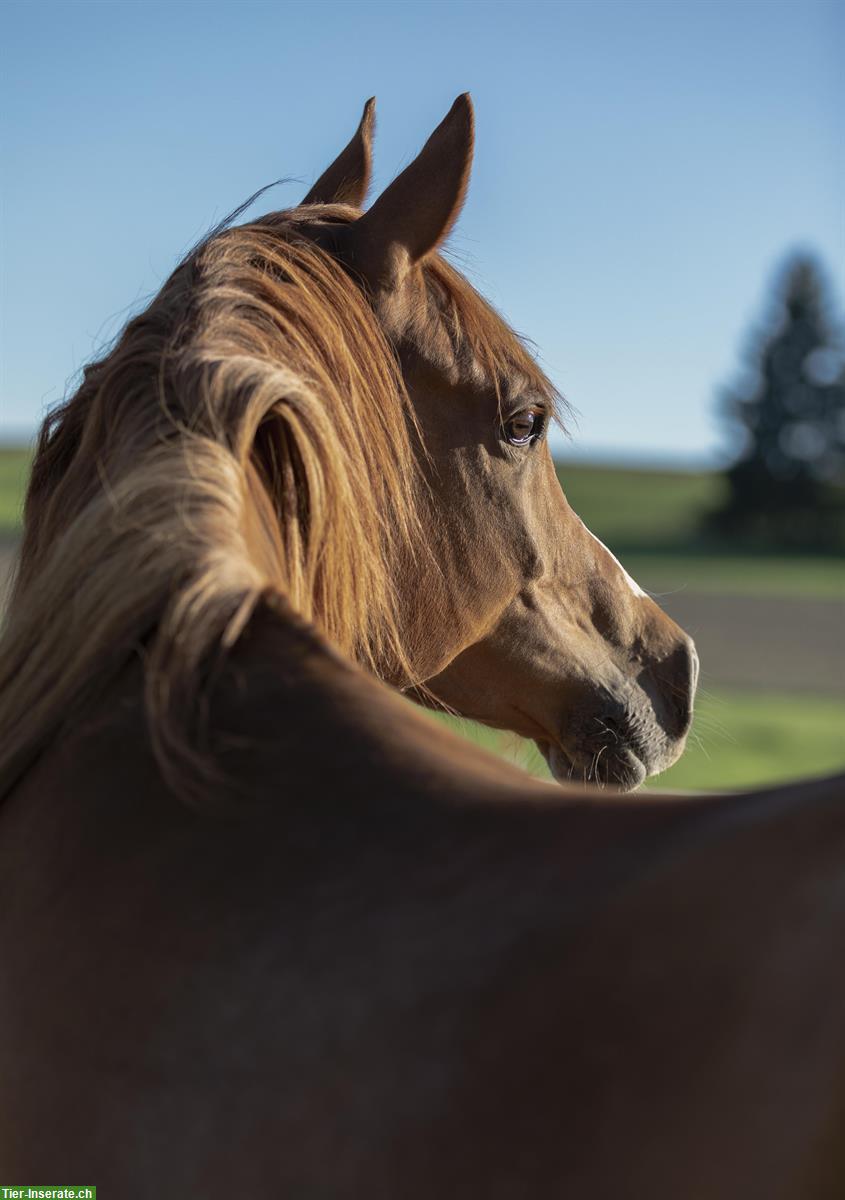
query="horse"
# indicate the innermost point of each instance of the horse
(264, 926)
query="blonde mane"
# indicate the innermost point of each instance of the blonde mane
(249, 435)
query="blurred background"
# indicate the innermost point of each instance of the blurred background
(657, 201)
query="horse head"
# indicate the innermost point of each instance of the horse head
(521, 618)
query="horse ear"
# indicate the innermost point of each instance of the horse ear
(413, 216)
(346, 181)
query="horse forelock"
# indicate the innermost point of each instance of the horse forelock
(248, 434)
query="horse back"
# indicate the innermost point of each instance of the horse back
(383, 971)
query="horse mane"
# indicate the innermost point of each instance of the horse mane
(249, 435)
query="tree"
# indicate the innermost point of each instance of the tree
(787, 485)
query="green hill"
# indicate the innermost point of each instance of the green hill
(651, 520)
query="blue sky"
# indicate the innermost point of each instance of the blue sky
(641, 169)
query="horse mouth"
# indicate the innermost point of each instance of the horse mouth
(617, 767)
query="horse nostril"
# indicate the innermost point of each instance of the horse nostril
(671, 685)
(685, 684)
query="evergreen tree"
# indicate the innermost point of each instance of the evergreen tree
(787, 486)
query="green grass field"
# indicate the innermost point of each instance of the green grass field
(770, 575)
(650, 519)
(739, 739)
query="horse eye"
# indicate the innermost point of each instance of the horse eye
(520, 429)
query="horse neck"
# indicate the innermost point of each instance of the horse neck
(159, 547)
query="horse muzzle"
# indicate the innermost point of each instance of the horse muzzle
(625, 736)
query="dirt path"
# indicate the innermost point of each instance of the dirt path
(779, 643)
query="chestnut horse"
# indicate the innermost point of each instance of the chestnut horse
(265, 927)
